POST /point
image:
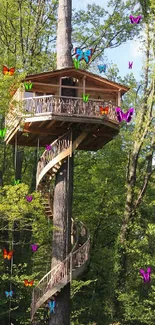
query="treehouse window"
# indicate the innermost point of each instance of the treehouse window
(69, 92)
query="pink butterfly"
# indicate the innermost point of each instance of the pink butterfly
(135, 20)
(48, 147)
(29, 198)
(124, 116)
(130, 65)
(34, 247)
(146, 276)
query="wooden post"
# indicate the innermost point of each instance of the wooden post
(60, 86)
(71, 142)
(84, 84)
(71, 267)
(84, 89)
(119, 98)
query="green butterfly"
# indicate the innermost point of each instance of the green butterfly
(17, 182)
(85, 98)
(28, 85)
(76, 64)
(2, 132)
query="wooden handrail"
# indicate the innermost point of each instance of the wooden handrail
(62, 273)
(62, 150)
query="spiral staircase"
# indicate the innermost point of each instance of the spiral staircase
(76, 262)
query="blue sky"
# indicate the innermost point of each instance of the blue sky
(121, 55)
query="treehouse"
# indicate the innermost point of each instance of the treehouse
(51, 111)
(53, 105)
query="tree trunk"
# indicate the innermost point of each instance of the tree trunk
(61, 245)
(62, 205)
(64, 46)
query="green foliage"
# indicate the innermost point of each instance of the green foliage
(22, 223)
(108, 292)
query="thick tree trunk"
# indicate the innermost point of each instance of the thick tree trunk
(61, 244)
(62, 206)
(64, 46)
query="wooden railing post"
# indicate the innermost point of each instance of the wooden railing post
(71, 256)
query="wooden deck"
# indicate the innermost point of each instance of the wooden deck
(48, 117)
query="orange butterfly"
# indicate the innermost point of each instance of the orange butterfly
(8, 71)
(28, 283)
(7, 254)
(104, 110)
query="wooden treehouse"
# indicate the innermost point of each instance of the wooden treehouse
(46, 112)
(53, 113)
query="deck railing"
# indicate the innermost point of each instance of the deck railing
(57, 147)
(62, 273)
(65, 105)
(58, 106)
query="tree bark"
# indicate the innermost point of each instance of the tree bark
(63, 192)
(61, 243)
(64, 46)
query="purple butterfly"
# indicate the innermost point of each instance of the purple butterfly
(34, 247)
(29, 198)
(130, 65)
(124, 116)
(146, 276)
(135, 20)
(48, 147)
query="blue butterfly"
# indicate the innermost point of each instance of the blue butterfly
(51, 305)
(80, 55)
(9, 293)
(102, 68)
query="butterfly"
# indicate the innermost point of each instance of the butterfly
(146, 276)
(85, 98)
(130, 65)
(28, 283)
(48, 147)
(7, 71)
(28, 85)
(102, 68)
(29, 198)
(2, 132)
(9, 293)
(16, 182)
(34, 247)
(7, 254)
(76, 64)
(135, 20)
(80, 55)
(104, 110)
(124, 116)
(51, 305)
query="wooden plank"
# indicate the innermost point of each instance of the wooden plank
(11, 135)
(50, 124)
(75, 87)
(61, 117)
(79, 139)
(40, 124)
(44, 131)
(119, 98)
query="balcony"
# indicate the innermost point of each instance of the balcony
(51, 116)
